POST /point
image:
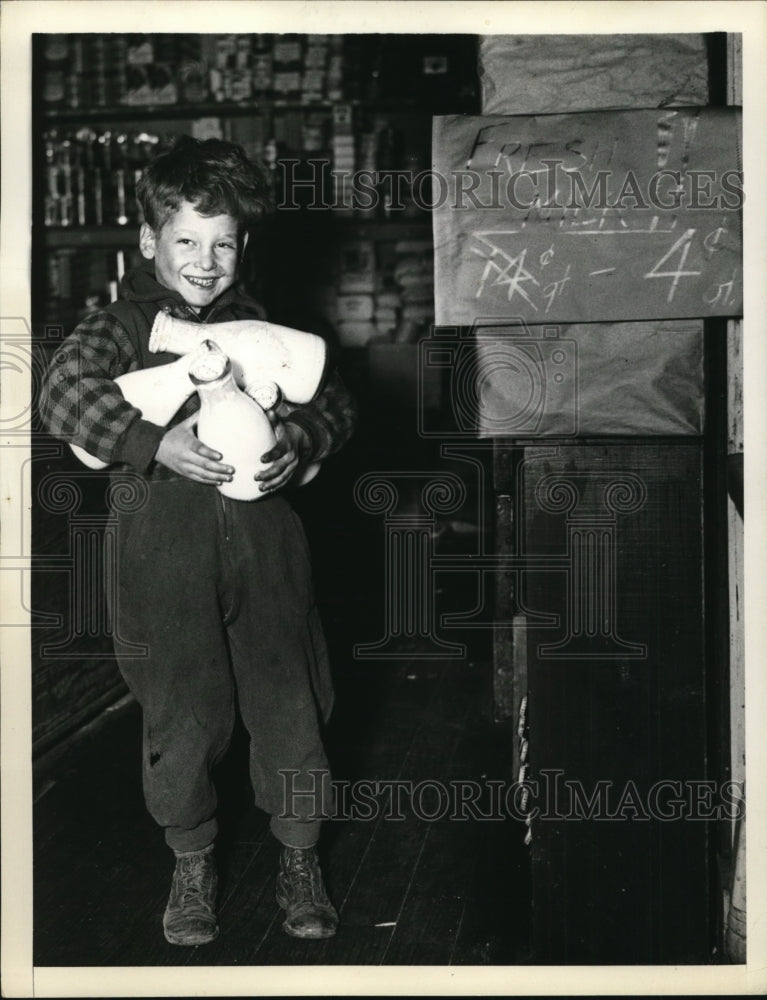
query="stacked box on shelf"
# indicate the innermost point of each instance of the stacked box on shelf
(344, 159)
(263, 67)
(288, 61)
(100, 70)
(334, 80)
(403, 311)
(385, 291)
(356, 284)
(192, 75)
(314, 73)
(414, 276)
(151, 70)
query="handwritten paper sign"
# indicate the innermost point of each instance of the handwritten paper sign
(588, 217)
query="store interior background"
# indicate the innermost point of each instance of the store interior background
(411, 892)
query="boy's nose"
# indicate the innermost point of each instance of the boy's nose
(205, 260)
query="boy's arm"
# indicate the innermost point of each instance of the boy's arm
(307, 434)
(81, 404)
(328, 421)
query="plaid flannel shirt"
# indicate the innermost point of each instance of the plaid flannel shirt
(81, 404)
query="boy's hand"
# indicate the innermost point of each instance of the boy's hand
(285, 456)
(181, 451)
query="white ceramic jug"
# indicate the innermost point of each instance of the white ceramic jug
(231, 423)
(259, 351)
(158, 392)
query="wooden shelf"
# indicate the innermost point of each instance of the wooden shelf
(162, 112)
(116, 237)
(98, 237)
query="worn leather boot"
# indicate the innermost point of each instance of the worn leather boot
(301, 893)
(190, 916)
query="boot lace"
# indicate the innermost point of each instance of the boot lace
(194, 881)
(305, 878)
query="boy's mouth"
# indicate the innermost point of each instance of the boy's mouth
(201, 282)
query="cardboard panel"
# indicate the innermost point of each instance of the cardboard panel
(588, 217)
(529, 74)
(590, 379)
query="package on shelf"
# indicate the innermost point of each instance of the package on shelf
(240, 85)
(385, 330)
(314, 129)
(139, 89)
(99, 70)
(312, 85)
(287, 51)
(286, 85)
(334, 84)
(388, 300)
(357, 268)
(153, 83)
(193, 87)
(225, 47)
(231, 85)
(386, 317)
(140, 50)
(208, 127)
(354, 307)
(356, 333)
(414, 270)
(343, 153)
(243, 51)
(262, 75)
(229, 67)
(317, 52)
(344, 159)
(342, 120)
(343, 168)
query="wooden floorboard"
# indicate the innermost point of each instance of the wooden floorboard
(409, 891)
(369, 870)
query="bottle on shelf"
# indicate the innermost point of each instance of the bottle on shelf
(56, 62)
(260, 351)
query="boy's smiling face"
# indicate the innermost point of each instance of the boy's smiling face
(195, 255)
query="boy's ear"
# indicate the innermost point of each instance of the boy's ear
(146, 241)
(244, 244)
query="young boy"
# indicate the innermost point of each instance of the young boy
(218, 590)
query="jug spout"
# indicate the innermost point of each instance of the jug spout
(259, 351)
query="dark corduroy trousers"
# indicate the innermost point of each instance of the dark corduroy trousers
(219, 592)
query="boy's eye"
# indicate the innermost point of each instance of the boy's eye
(227, 246)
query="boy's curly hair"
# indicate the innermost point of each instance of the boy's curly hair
(214, 176)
